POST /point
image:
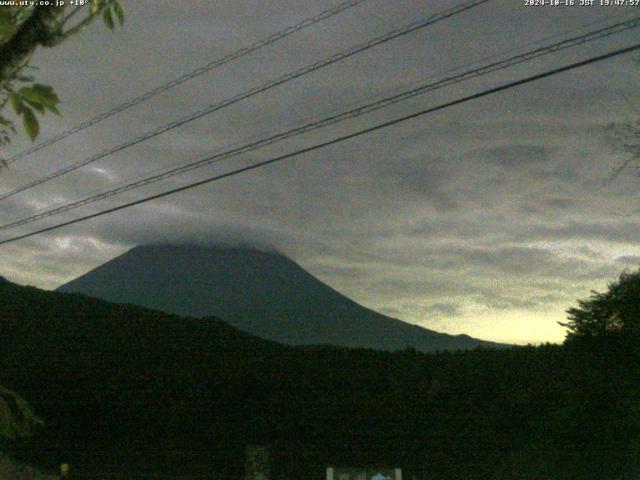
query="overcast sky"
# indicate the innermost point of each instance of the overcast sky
(489, 218)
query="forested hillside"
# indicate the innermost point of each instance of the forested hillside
(128, 392)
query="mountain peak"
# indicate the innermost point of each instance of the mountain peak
(260, 291)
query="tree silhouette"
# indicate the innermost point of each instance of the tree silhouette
(613, 313)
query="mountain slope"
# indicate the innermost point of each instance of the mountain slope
(263, 293)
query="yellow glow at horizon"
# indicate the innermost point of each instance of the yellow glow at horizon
(509, 326)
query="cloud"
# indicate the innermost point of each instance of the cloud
(473, 219)
(518, 156)
(622, 231)
(630, 260)
(442, 309)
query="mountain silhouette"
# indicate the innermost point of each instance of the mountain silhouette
(263, 293)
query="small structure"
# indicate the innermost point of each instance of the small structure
(257, 462)
(356, 473)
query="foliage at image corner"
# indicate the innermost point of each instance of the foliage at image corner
(17, 418)
(22, 30)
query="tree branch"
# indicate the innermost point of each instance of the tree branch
(57, 36)
(38, 29)
(79, 27)
(73, 13)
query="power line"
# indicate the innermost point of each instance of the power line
(334, 119)
(316, 116)
(270, 40)
(527, 56)
(399, 32)
(336, 140)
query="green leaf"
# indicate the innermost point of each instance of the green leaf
(45, 90)
(6, 30)
(38, 106)
(53, 109)
(108, 19)
(31, 124)
(25, 92)
(95, 6)
(118, 9)
(40, 94)
(17, 103)
(7, 22)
